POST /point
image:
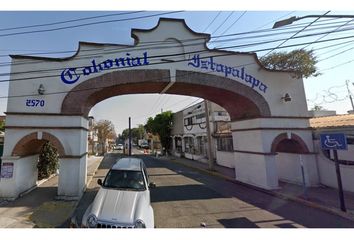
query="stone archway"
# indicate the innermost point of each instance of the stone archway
(32, 143)
(240, 101)
(294, 144)
(251, 94)
(293, 158)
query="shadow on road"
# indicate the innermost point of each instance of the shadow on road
(190, 192)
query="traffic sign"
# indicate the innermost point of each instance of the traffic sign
(335, 141)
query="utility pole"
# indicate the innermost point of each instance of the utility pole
(210, 156)
(350, 94)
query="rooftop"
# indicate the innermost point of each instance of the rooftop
(345, 120)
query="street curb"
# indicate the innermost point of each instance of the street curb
(276, 194)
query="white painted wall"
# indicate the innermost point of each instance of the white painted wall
(327, 172)
(289, 168)
(24, 177)
(200, 158)
(262, 140)
(256, 169)
(226, 159)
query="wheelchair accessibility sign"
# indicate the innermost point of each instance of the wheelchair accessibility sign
(335, 141)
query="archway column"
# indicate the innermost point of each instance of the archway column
(27, 131)
(72, 177)
(255, 162)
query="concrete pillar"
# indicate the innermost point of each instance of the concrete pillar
(72, 178)
(254, 163)
(258, 169)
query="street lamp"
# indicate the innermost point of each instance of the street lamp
(293, 19)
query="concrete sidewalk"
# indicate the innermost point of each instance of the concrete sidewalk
(324, 198)
(39, 208)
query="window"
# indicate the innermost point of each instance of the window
(126, 180)
(225, 144)
(188, 121)
(201, 145)
(188, 145)
(199, 116)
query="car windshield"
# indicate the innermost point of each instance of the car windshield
(124, 179)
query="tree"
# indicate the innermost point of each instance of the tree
(302, 62)
(161, 124)
(48, 161)
(317, 108)
(137, 133)
(105, 130)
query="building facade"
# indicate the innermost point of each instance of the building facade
(190, 135)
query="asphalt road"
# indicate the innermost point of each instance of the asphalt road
(185, 198)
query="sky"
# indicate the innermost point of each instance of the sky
(336, 58)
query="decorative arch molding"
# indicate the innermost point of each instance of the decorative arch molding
(294, 144)
(239, 100)
(30, 144)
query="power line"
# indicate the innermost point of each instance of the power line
(87, 24)
(69, 21)
(223, 22)
(327, 34)
(234, 22)
(212, 21)
(335, 55)
(275, 20)
(179, 54)
(169, 55)
(293, 36)
(158, 43)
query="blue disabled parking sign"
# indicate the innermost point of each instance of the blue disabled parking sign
(335, 141)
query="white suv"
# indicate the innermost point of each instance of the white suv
(123, 200)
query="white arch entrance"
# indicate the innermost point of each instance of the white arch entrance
(57, 95)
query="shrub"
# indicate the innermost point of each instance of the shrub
(48, 161)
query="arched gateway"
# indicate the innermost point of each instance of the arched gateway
(54, 101)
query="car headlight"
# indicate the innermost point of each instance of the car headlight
(92, 221)
(139, 224)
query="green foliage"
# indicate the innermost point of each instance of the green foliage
(48, 161)
(301, 62)
(161, 124)
(317, 108)
(137, 133)
(2, 126)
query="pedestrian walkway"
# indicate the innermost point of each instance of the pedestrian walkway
(39, 208)
(322, 197)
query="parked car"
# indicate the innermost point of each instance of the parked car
(123, 200)
(119, 147)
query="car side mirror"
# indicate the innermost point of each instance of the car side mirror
(99, 182)
(152, 185)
